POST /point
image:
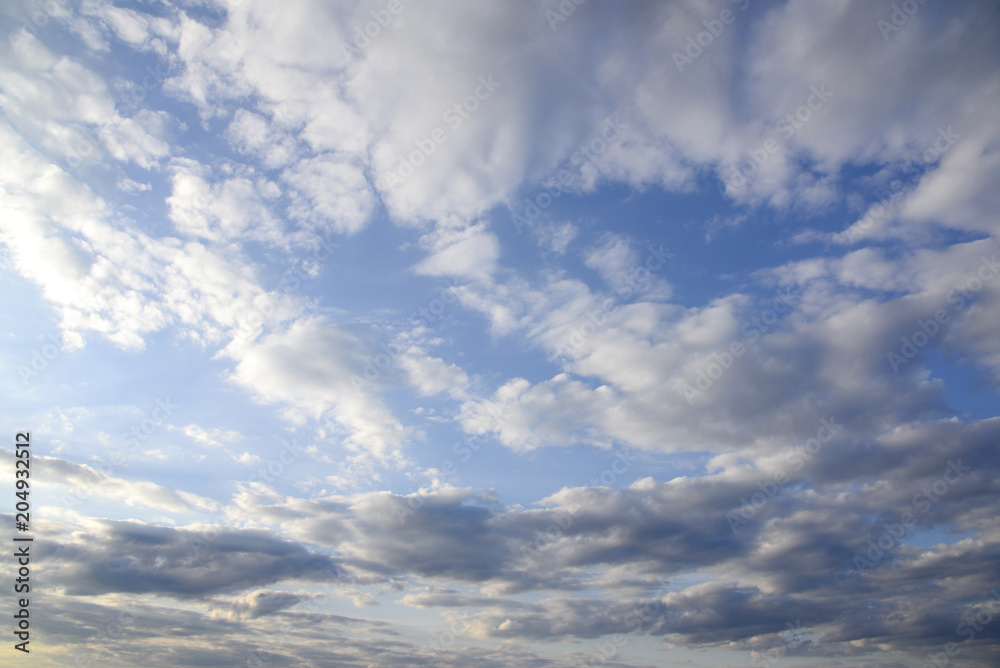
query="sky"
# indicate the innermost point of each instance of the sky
(532, 333)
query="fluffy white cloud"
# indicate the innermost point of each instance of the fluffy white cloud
(317, 370)
(461, 251)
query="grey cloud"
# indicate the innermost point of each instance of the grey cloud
(133, 557)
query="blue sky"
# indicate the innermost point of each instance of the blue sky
(534, 334)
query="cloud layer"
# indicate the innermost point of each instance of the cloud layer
(601, 334)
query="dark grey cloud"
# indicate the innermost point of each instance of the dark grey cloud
(134, 557)
(792, 559)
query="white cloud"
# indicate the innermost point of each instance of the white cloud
(329, 193)
(612, 257)
(554, 237)
(213, 437)
(82, 481)
(432, 375)
(223, 211)
(460, 251)
(317, 370)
